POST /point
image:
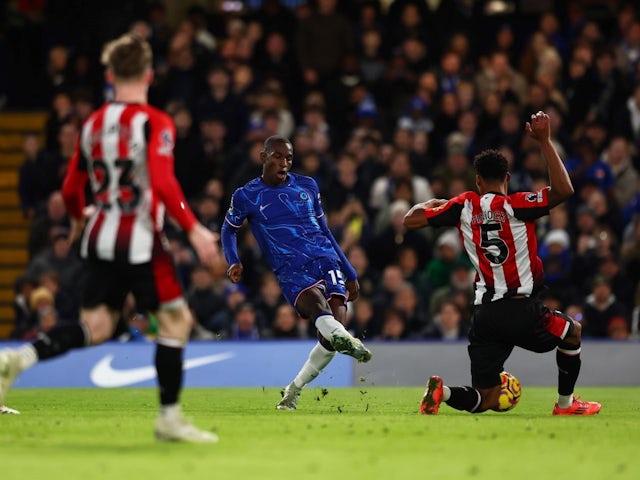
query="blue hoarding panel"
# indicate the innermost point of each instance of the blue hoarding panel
(206, 364)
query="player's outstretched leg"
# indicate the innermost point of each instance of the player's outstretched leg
(578, 407)
(290, 396)
(340, 339)
(432, 398)
(9, 370)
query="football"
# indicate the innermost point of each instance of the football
(510, 392)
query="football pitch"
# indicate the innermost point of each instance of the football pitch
(339, 433)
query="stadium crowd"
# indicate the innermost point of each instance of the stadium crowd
(386, 104)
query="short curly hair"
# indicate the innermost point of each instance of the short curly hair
(491, 165)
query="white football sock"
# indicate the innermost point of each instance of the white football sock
(327, 325)
(319, 357)
(28, 356)
(446, 393)
(172, 410)
(565, 401)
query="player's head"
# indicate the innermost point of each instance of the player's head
(128, 59)
(277, 159)
(492, 171)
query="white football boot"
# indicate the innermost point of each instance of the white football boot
(175, 428)
(290, 396)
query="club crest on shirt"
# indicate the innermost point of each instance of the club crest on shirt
(534, 197)
(166, 142)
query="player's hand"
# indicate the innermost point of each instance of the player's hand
(234, 272)
(205, 243)
(78, 224)
(540, 127)
(435, 203)
(353, 289)
(76, 228)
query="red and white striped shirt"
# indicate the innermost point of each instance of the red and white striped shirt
(498, 234)
(126, 152)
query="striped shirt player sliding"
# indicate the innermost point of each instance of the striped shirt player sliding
(125, 152)
(498, 234)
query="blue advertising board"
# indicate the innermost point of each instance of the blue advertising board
(206, 364)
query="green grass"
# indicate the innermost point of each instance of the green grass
(349, 433)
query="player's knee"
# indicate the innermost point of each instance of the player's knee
(575, 334)
(99, 323)
(175, 323)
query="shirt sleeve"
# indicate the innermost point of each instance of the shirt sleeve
(74, 183)
(447, 215)
(161, 172)
(232, 222)
(530, 205)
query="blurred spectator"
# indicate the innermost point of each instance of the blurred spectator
(604, 315)
(43, 307)
(23, 288)
(392, 281)
(286, 323)
(456, 167)
(59, 258)
(203, 301)
(190, 160)
(555, 253)
(183, 257)
(244, 325)
(406, 301)
(459, 290)
(618, 157)
(277, 61)
(382, 190)
(61, 112)
(609, 87)
(448, 323)
(386, 245)
(269, 297)
(630, 253)
(58, 73)
(67, 301)
(610, 269)
(394, 325)
(41, 228)
(626, 122)
(322, 40)
(499, 70)
(221, 102)
(447, 253)
(269, 100)
(362, 318)
(66, 141)
(368, 277)
(36, 177)
(222, 321)
(207, 210)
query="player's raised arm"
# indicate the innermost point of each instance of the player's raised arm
(416, 218)
(560, 183)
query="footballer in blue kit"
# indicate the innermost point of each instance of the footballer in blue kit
(284, 212)
(288, 223)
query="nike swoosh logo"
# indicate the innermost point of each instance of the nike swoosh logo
(262, 207)
(104, 375)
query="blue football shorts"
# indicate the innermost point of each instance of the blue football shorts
(323, 273)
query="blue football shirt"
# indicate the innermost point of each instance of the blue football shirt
(284, 220)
